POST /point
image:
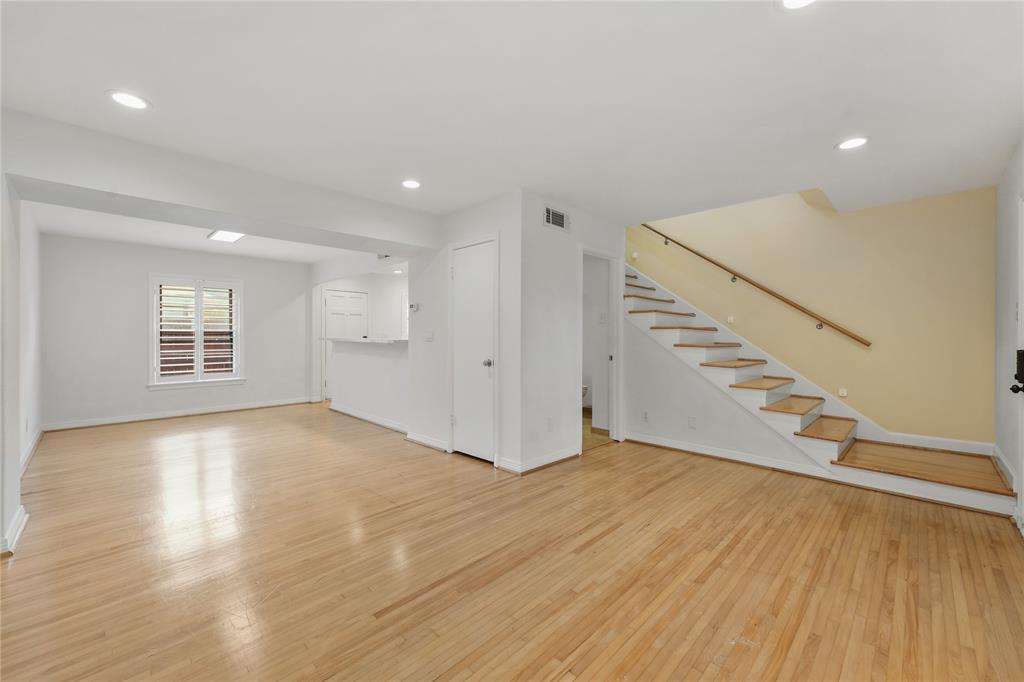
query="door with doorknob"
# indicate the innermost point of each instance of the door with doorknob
(473, 327)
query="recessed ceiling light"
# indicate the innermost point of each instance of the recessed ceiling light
(128, 99)
(852, 143)
(225, 236)
(397, 272)
(411, 184)
(796, 4)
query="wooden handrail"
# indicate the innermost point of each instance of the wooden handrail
(739, 275)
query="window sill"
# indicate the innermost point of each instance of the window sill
(167, 385)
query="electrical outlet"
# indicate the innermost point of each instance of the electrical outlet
(731, 319)
(643, 416)
(429, 336)
(843, 393)
(691, 422)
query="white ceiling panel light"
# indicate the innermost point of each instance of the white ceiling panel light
(411, 184)
(796, 4)
(225, 236)
(852, 143)
(128, 99)
(397, 272)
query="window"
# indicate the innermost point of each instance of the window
(196, 330)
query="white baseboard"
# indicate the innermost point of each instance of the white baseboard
(723, 453)
(435, 443)
(1004, 464)
(976, 447)
(79, 423)
(30, 451)
(13, 534)
(386, 422)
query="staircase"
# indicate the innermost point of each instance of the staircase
(819, 425)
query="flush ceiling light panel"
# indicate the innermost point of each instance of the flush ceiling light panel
(852, 143)
(225, 236)
(127, 99)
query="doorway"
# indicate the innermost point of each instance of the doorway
(344, 317)
(473, 361)
(598, 343)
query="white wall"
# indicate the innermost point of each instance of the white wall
(95, 331)
(428, 328)
(10, 357)
(596, 337)
(30, 388)
(1008, 287)
(371, 381)
(552, 353)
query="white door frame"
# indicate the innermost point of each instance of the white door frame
(1020, 344)
(616, 276)
(496, 433)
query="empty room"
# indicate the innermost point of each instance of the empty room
(512, 340)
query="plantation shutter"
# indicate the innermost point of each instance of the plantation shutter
(177, 330)
(218, 330)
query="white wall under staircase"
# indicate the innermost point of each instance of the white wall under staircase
(672, 401)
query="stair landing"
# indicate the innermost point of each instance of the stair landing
(965, 470)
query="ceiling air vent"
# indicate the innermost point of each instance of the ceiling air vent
(556, 218)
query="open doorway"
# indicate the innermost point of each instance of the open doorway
(598, 336)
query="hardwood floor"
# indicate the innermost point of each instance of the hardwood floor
(296, 543)
(592, 439)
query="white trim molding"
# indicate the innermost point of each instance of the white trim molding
(14, 530)
(372, 418)
(29, 453)
(428, 441)
(79, 423)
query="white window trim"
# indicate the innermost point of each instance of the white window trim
(156, 382)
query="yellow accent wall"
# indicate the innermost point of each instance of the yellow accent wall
(917, 279)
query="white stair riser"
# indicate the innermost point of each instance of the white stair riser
(753, 398)
(645, 304)
(691, 336)
(788, 423)
(670, 320)
(695, 356)
(723, 376)
(823, 451)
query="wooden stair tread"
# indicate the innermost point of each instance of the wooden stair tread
(960, 469)
(734, 364)
(836, 429)
(765, 383)
(713, 344)
(640, 286)
(631, 276)
(685, 328)
(661, 312)
(795, 404)
(649, 298)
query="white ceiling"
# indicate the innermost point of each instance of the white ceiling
(633, 110)
(77, 222)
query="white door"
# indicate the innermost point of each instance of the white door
(473, 367)
(344, 318)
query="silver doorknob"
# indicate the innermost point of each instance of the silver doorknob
(488, 362)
